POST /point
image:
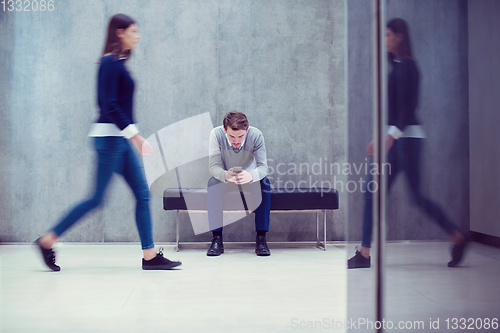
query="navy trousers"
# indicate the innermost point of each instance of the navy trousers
(215, 193)
(404, 157)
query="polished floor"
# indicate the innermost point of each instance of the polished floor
(420, 289)
(101, 288)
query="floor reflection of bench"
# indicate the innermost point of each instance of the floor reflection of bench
(301, 200)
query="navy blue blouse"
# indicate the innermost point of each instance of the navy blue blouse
(115, 92)
(403, 90)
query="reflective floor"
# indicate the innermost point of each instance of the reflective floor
(420, 288)
(101, 288)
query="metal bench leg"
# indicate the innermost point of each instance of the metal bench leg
(177, 231)
(318, 245)
(324, 230)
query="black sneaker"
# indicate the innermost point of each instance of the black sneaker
(358, 261)
(457, 253)
(261, 248)
(217, 247)
(159, 262)
(48, 255)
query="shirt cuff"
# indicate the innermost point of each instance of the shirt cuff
(395, 132)
(130, 131)
(255, 175)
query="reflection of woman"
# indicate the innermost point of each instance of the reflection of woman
(114, 153)
(404, 143)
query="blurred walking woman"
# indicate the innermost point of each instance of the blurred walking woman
(111, 134)
(404, 143)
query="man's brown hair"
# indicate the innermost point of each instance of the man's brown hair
(236, 121)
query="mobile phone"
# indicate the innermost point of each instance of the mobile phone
(237, 169)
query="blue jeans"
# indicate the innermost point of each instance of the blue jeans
(115, 155)
(215, 196)
(404, 156)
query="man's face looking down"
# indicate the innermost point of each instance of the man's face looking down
(237, 137)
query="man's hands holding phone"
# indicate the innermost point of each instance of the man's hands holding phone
(238, 176)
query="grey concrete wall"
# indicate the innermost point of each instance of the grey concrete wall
(439, 38)
(281, 62)
(484, 99)
(6, 46)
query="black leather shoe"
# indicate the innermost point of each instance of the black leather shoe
(48, 255)
(261, 248)
(216, 248)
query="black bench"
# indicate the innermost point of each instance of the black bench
(314, 200)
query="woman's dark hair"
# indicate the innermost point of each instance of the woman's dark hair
(113, 44)
(399, 26)
(236, 121)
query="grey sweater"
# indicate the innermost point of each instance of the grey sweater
(252, 157)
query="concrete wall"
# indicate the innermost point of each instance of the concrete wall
(484, 99)
(439, 38)
(281, 62)
(6, 192)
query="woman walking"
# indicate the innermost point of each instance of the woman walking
(404, 144)
(111, 134)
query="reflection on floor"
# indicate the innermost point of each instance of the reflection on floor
(420, 289)
(101, 288)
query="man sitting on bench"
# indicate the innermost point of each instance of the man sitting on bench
(238, 162)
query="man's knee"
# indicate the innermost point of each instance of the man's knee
(212, 181)
(265, 185)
